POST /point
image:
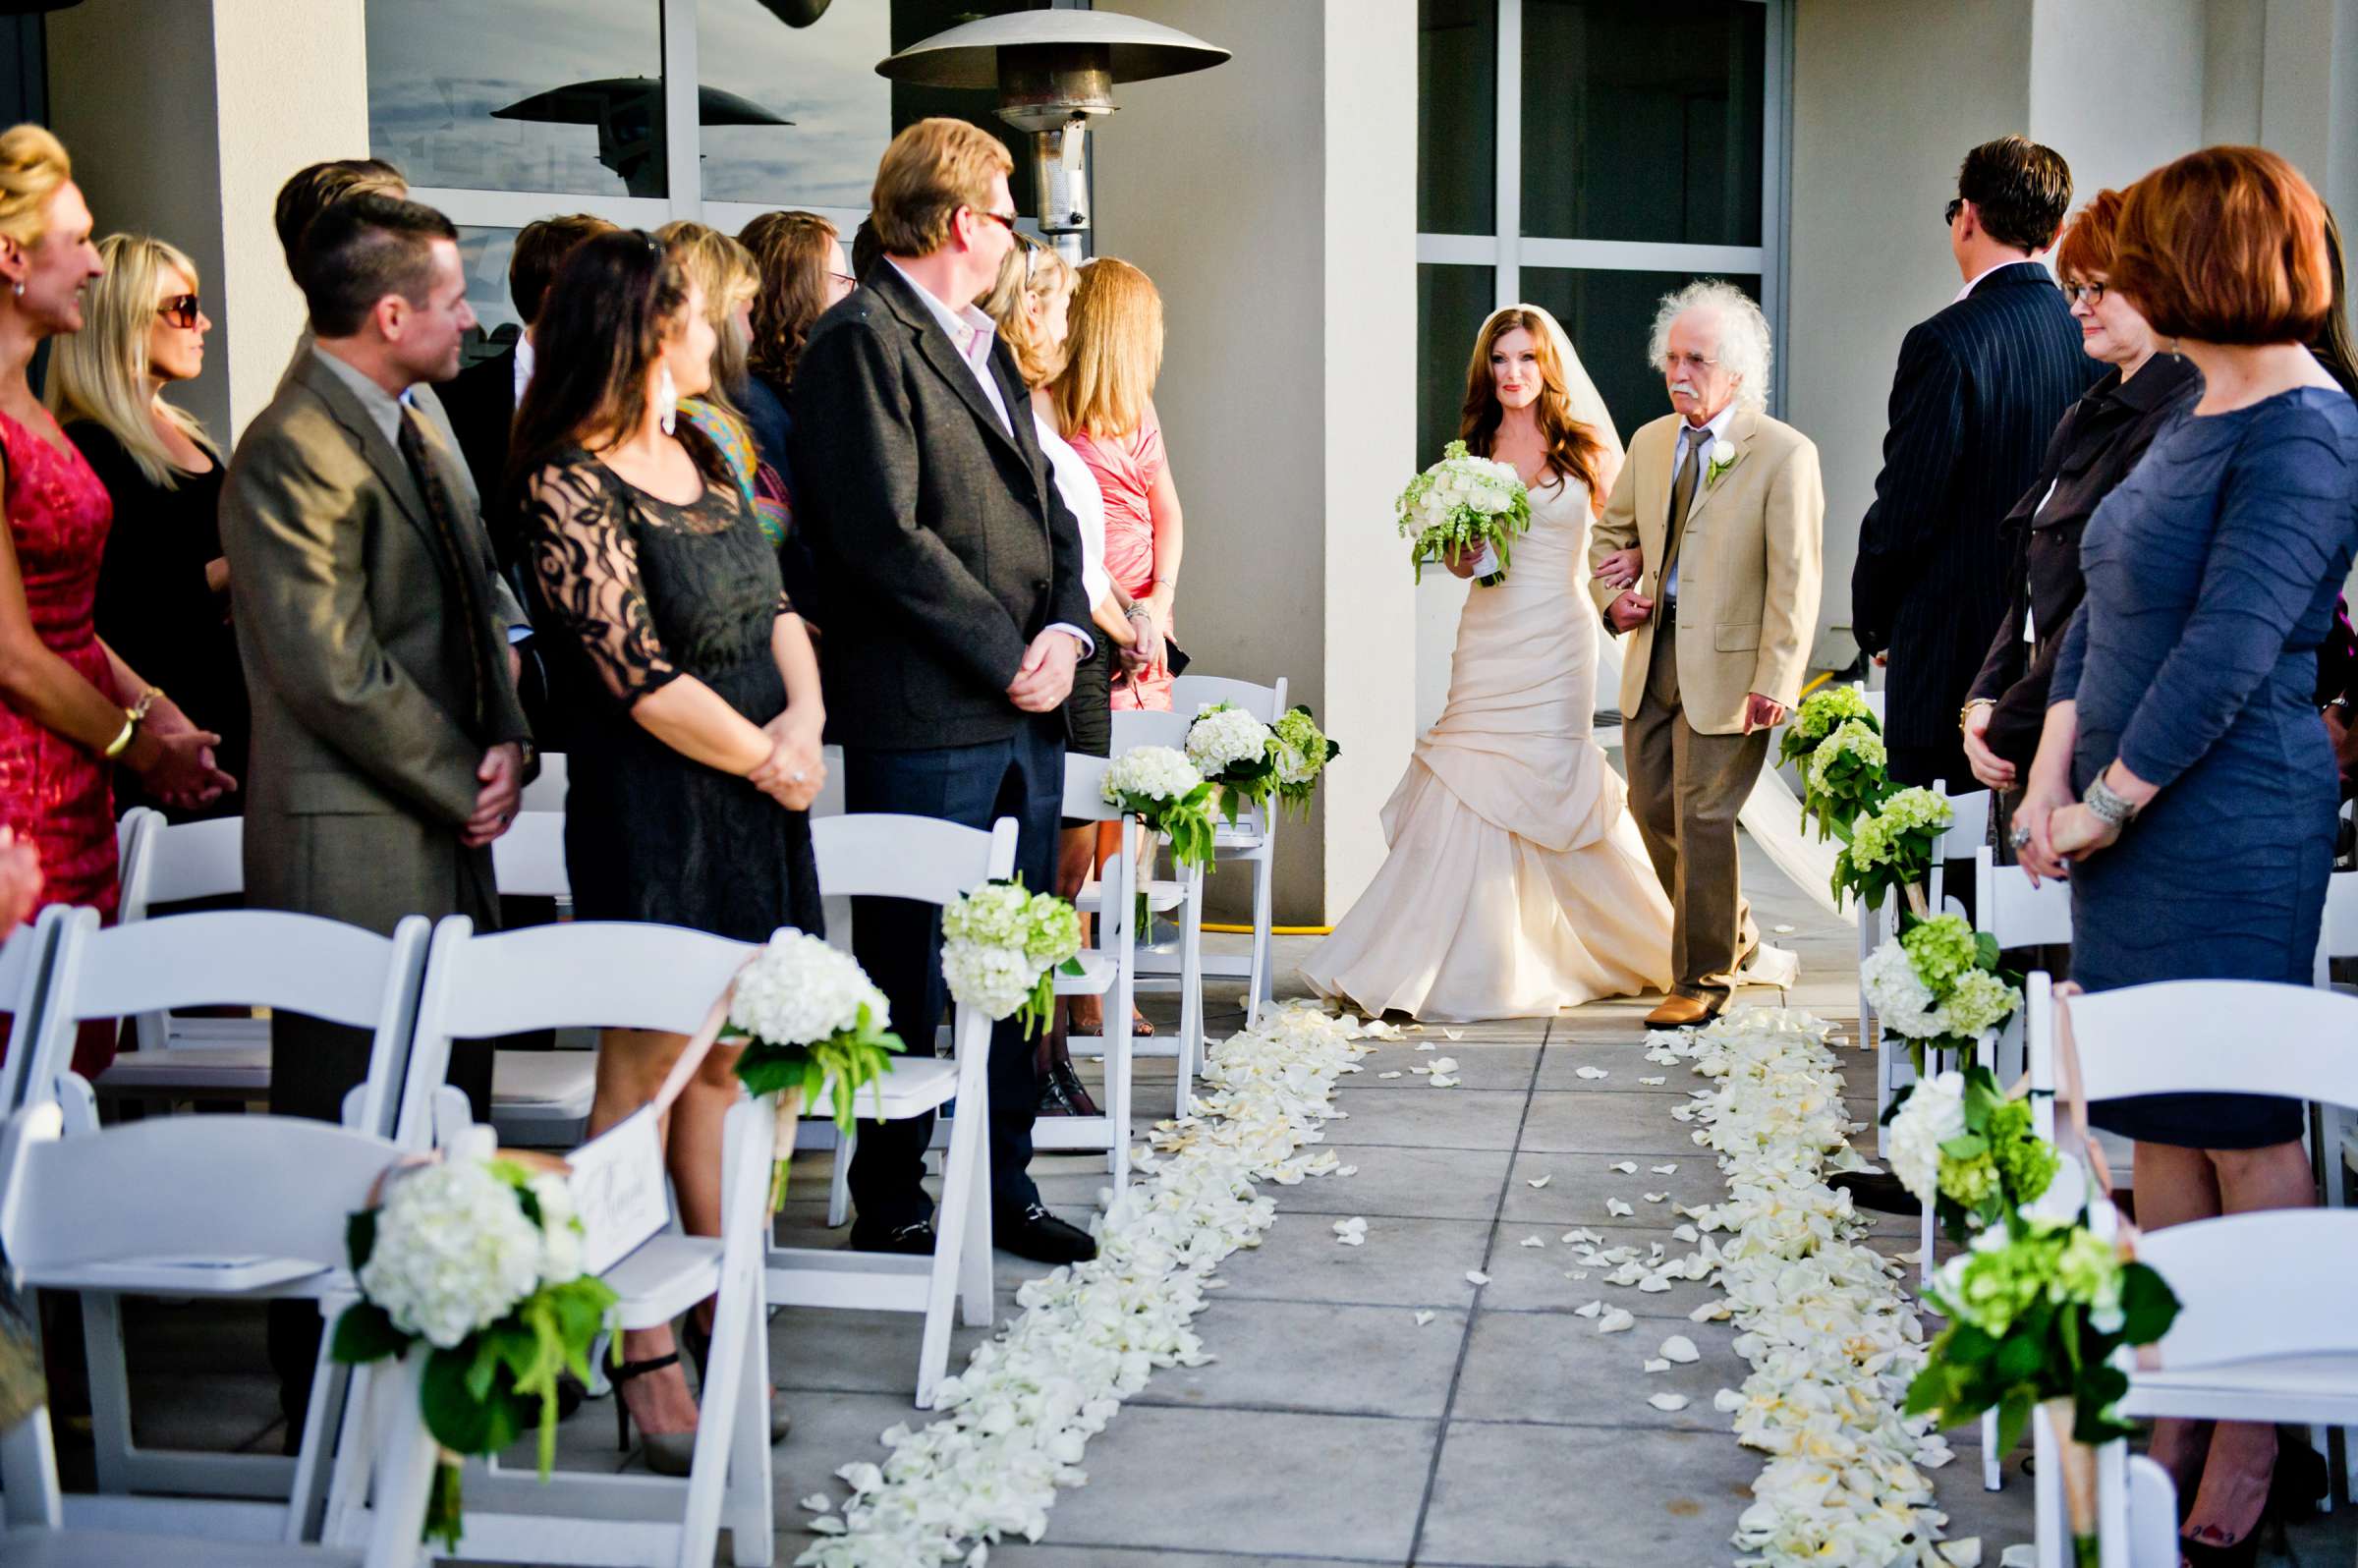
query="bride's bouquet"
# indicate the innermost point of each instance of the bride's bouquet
(1463, 503)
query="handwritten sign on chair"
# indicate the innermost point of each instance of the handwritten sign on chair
(618, 1186)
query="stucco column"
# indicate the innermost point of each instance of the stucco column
(183, 117)
(1273, 200)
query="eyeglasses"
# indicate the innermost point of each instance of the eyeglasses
(844, 278)
(1005, 220)
(181, 310)
(1687, 361)
(2074, 292)
(1948, 215)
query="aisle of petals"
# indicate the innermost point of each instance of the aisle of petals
(1830, 1335)
(1020, 1418)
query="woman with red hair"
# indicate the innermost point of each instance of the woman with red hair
(2181, 706)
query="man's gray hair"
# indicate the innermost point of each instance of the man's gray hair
(1743, 335)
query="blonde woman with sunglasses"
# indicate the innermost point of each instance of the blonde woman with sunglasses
(163, 585)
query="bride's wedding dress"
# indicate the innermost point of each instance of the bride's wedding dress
(1516, 883)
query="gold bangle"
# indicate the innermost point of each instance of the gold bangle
(122, 742)
(1965, 713)
(148, 699)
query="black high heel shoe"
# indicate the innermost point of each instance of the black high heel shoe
(699, 1345)
(668, 1453)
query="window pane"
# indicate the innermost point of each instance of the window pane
(1610, 316)
(1452, 303)
(558, 96)
(484, 256)
(1457, 117)
(1642, 120)
(822, 78)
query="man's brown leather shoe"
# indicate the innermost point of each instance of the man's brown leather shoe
(1677, 1012)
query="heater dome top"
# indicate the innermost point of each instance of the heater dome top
(968, 55)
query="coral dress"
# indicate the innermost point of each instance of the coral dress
(52, 791)
(1126, 469)
(1516, 883)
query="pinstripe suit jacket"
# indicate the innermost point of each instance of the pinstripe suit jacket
(1978, 393)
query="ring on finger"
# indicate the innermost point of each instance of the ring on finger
(2020, 837)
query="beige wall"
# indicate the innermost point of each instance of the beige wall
(184, 116)
(1268, 199)
(1887, 94)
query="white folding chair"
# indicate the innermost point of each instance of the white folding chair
(2137, 1509)
(538, 1098)
(1110, 971)
(2333, 1132)
(886, 855)
(618, 974)
(546, 790)
(267, 958)
(23, 988)
(2273, 1340)
(170, 1205)
(1182, 897)
(1251, 841)
(1968, 828)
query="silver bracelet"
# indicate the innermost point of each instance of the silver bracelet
(2109, 803)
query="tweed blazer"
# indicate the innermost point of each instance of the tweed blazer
(1749, 565)
(941, 546)
(356, 659)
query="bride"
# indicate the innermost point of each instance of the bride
(1516, 883)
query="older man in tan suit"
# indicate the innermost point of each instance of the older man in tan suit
(1707, 552)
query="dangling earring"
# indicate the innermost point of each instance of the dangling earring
(668, 400)
(19, 288)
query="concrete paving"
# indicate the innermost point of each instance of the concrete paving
(1331, 1428)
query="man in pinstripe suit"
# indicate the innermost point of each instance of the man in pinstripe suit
(1979, 390)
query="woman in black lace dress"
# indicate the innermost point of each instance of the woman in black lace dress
(692, 688)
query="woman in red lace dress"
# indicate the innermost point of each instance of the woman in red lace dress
(67, 703)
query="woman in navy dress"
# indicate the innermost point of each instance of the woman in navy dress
(2182, 705)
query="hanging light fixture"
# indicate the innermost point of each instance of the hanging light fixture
(1053, 70)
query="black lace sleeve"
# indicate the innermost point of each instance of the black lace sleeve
(586, 564)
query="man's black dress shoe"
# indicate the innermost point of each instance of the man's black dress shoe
(1036, 1234)
(915, 1241)
(1879, 1191)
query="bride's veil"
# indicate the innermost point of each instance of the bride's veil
(1771, 815)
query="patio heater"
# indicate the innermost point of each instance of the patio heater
(1054, 71)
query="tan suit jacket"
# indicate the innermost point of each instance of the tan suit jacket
(358, 661)
(1748, 567)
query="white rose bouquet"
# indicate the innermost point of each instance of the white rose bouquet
(807, 1016)
(1462, 503)
(481, 1257)
(1161, 788)
(1300, 751)
(1002, 948)
(1236, 752)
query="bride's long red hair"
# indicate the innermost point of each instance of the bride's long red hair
(1573, 449)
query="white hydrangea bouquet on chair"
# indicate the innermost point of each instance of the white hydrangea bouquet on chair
(808, 1017)
(1461, 504)
(1002, 948)
(1236, 752)
(1161, 788)
(480, 1256)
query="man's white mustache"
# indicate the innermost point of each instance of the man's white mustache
(1687, 387)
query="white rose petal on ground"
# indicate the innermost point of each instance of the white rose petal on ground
(1679, 1348)
(1539, 1182)
(1618, 1321)
(1654, 1080)
(1627, 1167)
(1590, 1073)
(1656, 1364)
(1665, 1170)
(1963, 1552)
(1454, 1033)
(1424, 1318)
(1589, 1311)
(1531, 1241)
(1474, 1276)
(1667, 1402)
(1614, 1205)
(1387, 1075)
(819, 1502)
(1443, 1081)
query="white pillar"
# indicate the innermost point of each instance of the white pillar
(183, 117)
(1273, 200)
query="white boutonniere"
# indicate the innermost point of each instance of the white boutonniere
(1723, 458)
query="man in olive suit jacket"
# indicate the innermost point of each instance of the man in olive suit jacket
(1722, 510)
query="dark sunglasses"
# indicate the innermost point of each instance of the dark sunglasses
(1948, 215)
(181, 310)
(1005, 220)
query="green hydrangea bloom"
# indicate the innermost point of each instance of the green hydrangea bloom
(1056, 930)
(1914, 810)
(1978, 1000)
(2026, 1162)
(1830, 708)
(1942, 949)
(1969, 1181)
(1853, 738)
(994, 915)
(1297, 729)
